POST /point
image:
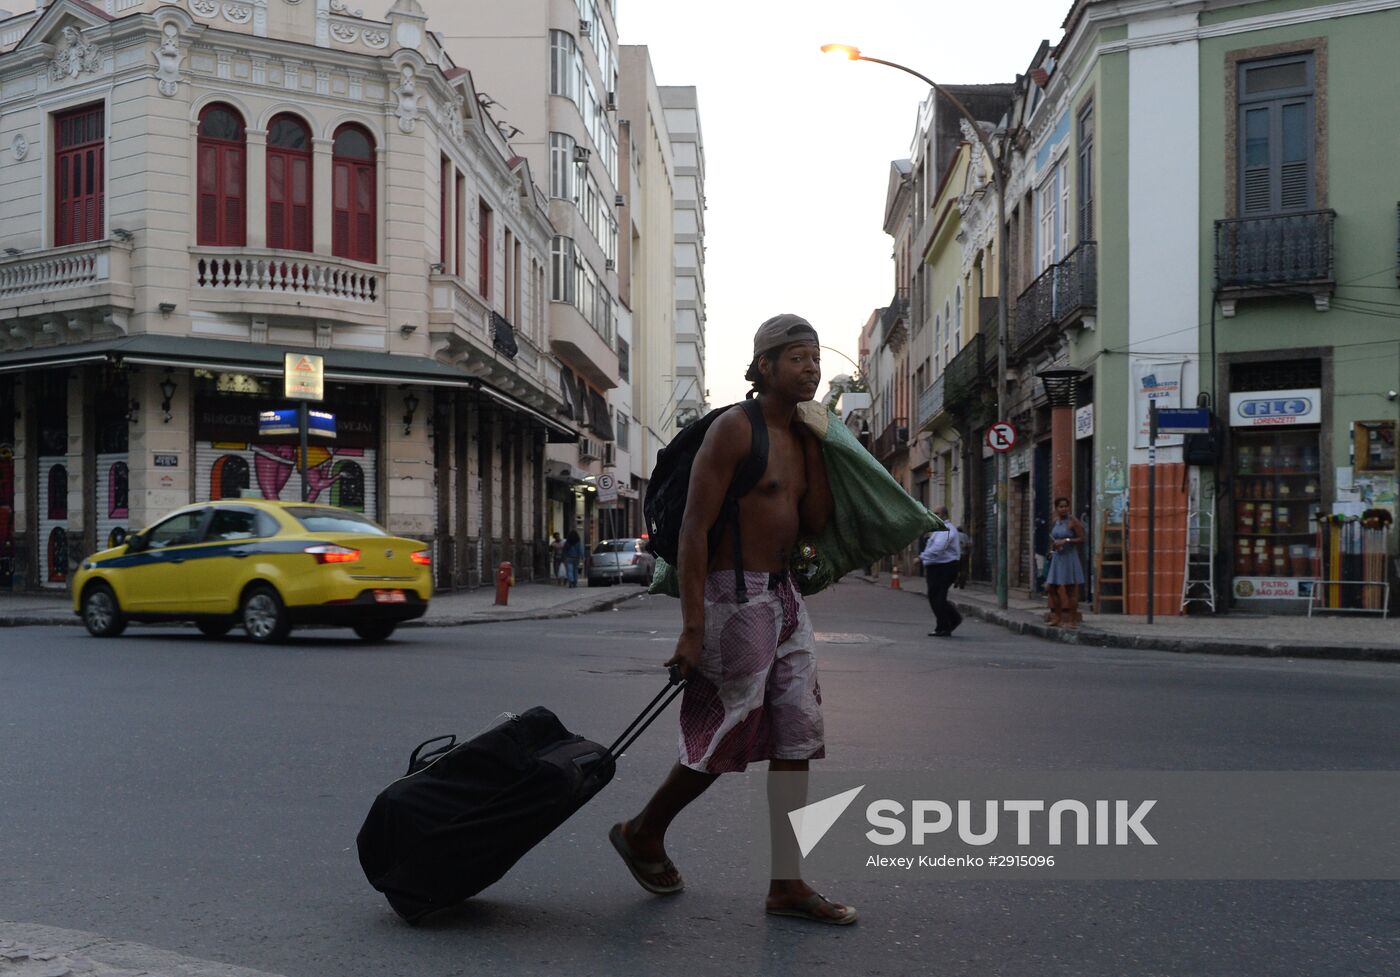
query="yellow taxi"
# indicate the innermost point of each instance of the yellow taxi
(267, 566)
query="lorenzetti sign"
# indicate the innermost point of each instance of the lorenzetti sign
(1276, 408)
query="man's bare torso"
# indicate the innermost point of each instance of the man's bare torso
(769, 515)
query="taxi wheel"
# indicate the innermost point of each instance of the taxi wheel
(376, 631)
(101, 614)
(214, 629)
(264, 616)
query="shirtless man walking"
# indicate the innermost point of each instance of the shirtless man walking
(751, 691)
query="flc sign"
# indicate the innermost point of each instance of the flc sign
(303, 376)
(1276, 408)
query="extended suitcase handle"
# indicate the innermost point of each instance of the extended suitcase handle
(418, 760)
(673, 687)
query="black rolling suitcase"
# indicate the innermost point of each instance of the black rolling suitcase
(466, 812)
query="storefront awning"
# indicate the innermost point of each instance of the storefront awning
(341, 365)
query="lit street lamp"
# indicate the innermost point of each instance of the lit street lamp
(999, 181)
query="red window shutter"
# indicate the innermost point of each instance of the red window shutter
(78, 176)
(208, 205)
(235, 232)
(484, 226)
(365, 222)
(340, 210)
(276, 200)
(301, 203)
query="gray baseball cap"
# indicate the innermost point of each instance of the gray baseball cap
(781, 330)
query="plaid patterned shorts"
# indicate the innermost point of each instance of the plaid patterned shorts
(755, 695)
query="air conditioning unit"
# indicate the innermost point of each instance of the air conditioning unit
(581, 154)
(589, 449)
(612, 101)
(609, 454)
(585, 27)
(619, 201)
(610, 264)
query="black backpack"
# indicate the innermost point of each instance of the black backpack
(664, 506)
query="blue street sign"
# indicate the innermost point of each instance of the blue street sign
(278, 422)
(320, 424)
(285, 421)
(1183, 420)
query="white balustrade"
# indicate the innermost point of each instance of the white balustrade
(280, 274)
(51, 270)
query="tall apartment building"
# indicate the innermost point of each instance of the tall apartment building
(688, 153)
(189, 192)
(548, 73)
(650, 272)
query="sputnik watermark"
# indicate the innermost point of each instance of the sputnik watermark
(1103, 825)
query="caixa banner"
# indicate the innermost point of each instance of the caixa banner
(1068, 825)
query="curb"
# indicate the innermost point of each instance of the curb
(1014, 622)
(554, 613)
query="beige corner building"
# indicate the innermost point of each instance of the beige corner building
(187, 192)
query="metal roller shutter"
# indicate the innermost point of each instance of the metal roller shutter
(53, 521)
(111, 493)
(344, 477)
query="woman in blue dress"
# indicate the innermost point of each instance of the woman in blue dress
(1066, 573)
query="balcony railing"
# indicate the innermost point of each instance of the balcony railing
(503, 335)
(892, 438)
(1283, 250)
(59, 269)
(963, 376)
(930, 402)
(899, 306)
(280, 272)
(1063, 293)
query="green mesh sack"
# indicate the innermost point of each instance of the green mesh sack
(871, 518)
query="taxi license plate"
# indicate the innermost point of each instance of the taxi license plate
(389, 597)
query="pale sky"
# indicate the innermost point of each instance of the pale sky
(798, 144)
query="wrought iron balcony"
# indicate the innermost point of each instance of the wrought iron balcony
(1283, 250)
(503, 335)
(892, 438)
(930, 403)
(1063, 294)
(964, 375)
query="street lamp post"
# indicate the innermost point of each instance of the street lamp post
(999, 182)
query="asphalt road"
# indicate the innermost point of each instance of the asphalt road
(203, 797)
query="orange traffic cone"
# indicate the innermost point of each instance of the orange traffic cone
(894, 578)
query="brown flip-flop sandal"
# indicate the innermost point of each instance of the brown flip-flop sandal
(807, 909)
(640, 869)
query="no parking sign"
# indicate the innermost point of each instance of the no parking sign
(1001, 436)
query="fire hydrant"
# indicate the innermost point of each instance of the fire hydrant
(505, 579)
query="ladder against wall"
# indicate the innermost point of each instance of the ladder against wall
(1109, 572)
(1198, 585)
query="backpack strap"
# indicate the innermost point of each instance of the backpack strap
(745, 478)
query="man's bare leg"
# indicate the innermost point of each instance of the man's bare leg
(645, 834)
(787, 791)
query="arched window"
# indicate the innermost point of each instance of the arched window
(223, 167)
(288, 184)
(355, 229)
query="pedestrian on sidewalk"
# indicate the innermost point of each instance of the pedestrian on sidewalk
(556, 560)
(1066, 573)
(941, 558)
(746, 643)
(573, 553)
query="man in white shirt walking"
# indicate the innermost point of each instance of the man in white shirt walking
(940, 558)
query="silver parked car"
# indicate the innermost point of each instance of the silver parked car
(614, 560)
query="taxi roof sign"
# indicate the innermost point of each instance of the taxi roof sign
(303, 376)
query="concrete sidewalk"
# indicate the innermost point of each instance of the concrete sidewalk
(528, 602)
(1352, 636)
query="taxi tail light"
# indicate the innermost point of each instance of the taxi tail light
(423, 558)
(331, 553)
